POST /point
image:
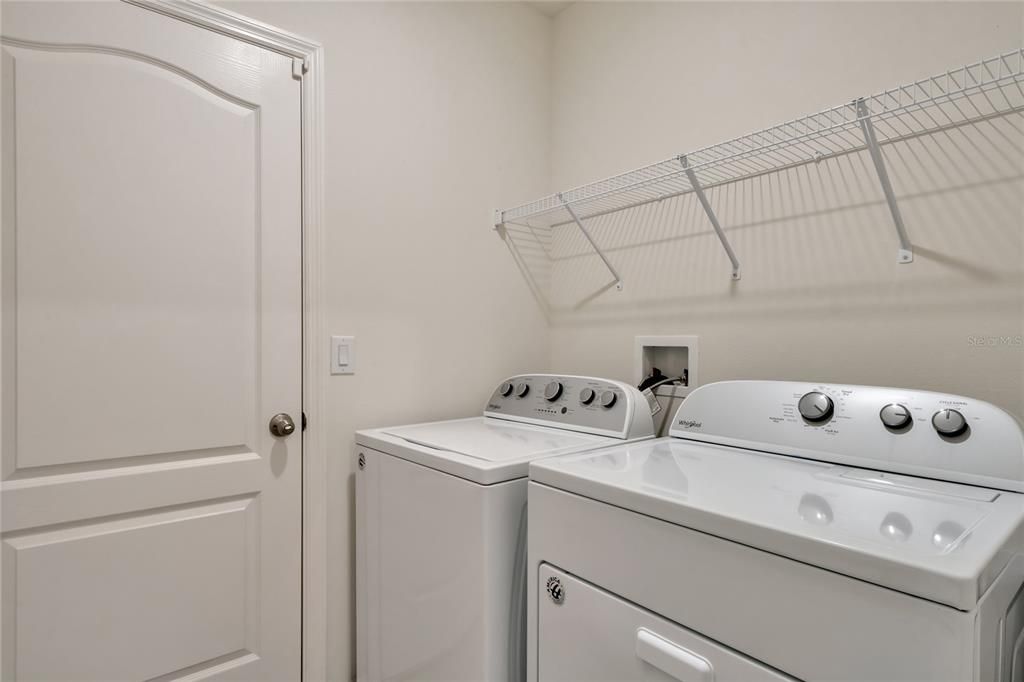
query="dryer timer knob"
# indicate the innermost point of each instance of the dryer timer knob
(895, 416)
(949, 423)
(816, 407)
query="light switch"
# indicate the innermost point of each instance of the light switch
(343, 355)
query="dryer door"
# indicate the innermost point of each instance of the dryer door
(586, 633)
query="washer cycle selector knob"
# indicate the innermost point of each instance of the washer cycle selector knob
(949, 423)
(553, 390)
(522, 388)
(608, 398)
(895, 416)
(815, 407)
(587, 396)
(506, 389)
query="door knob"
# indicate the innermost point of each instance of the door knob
(282, 425)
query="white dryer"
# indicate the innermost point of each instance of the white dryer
(786, 530)
(441, 525)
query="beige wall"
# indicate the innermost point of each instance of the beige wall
(822, 297)
(437, 113)
(434, 114)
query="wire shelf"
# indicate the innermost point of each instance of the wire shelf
(967, 96)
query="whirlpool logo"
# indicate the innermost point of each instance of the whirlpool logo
(690, 424)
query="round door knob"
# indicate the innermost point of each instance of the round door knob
(522, 389)
(282, 425)
(553, 390)
(815, 407)
(506, 389)
(587, 396)
(895, 416)
(608, 398)
(949, 423)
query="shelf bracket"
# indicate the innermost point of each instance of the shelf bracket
(586, 233)
(905, 254)
(699, 191)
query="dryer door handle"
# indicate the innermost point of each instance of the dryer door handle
(672, 659)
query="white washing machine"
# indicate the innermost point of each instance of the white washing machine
(441, 525)
(786, 530)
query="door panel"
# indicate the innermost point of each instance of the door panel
(150, 269)
(174, 303)
(200, 608)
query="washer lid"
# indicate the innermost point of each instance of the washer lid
(941, 541)
(492, 440)
(482, 449)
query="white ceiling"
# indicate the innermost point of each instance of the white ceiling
(549, 8)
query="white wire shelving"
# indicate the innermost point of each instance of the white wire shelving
(966, 96)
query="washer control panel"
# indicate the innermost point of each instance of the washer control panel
(922, 433)
(589, 404)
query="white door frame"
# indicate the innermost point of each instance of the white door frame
(309, 65)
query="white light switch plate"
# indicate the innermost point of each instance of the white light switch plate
(343, 355)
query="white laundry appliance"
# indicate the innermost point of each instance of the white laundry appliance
(441, 525)
(786, 530)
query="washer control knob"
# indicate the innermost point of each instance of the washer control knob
(587, 396)
(608, 398)
(949, 423)
(506, 389)
(553, 390)
(816, 407)
(895, 416)
(522, 388)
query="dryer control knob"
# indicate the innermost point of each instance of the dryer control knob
(816, 407)
(506, 389)
(949, 423)
(553, 390)
(522, 388)
(587, 396)
(895, 416)
(608, 398)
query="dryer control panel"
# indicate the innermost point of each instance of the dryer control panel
(588, 404)
(935, 435)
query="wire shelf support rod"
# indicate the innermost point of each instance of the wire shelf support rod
(905, 254)
(698, 189)
(586, 233)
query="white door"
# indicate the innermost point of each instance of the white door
(151, 254)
